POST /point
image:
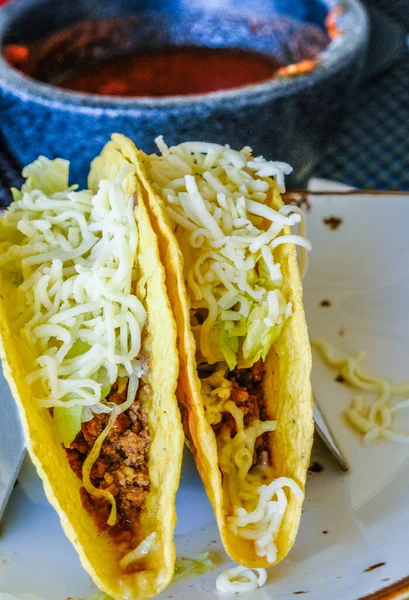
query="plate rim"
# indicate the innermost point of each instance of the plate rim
(393, 590)
(401, 586)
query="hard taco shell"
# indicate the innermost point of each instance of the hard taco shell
(287, 378)
(96, 550)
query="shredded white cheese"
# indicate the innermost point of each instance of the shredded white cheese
(75, 305)
(140, 552)
(240, 580)
(257, 501)
(217, 200)
(373, 420)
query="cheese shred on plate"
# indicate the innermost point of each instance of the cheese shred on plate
(373, 420)
(240, 580)
(75, 305)
(218, 201)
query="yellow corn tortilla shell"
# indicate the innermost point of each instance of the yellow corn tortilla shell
(287, 379)
(97, 551)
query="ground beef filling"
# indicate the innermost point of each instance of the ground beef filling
(121, 468)
(248, 395)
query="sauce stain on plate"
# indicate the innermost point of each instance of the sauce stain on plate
(325, 303)
(332, 223)
(315, 467)
(373, 567)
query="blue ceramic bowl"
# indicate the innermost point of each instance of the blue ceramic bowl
(284, 119)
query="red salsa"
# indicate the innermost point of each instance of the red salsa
(99, 57)
(171, 72)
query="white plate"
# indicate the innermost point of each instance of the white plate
(363, 269)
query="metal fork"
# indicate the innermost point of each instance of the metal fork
(11, 444)
(326, 436)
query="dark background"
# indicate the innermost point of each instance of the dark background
(371, 147)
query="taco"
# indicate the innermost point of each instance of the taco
(244, 385)
(88, 344)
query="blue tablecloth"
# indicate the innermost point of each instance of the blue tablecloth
(371, 149)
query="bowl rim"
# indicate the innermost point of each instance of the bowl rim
(342, 48)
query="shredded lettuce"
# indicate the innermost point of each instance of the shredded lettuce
(259, 338)
(242, 343)
(79, 347)
(229, 345)
(96, 596)
(67, 423)
(185, 567)
(105, 391)
(100, 596)
(49, 176)
(190, 567)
